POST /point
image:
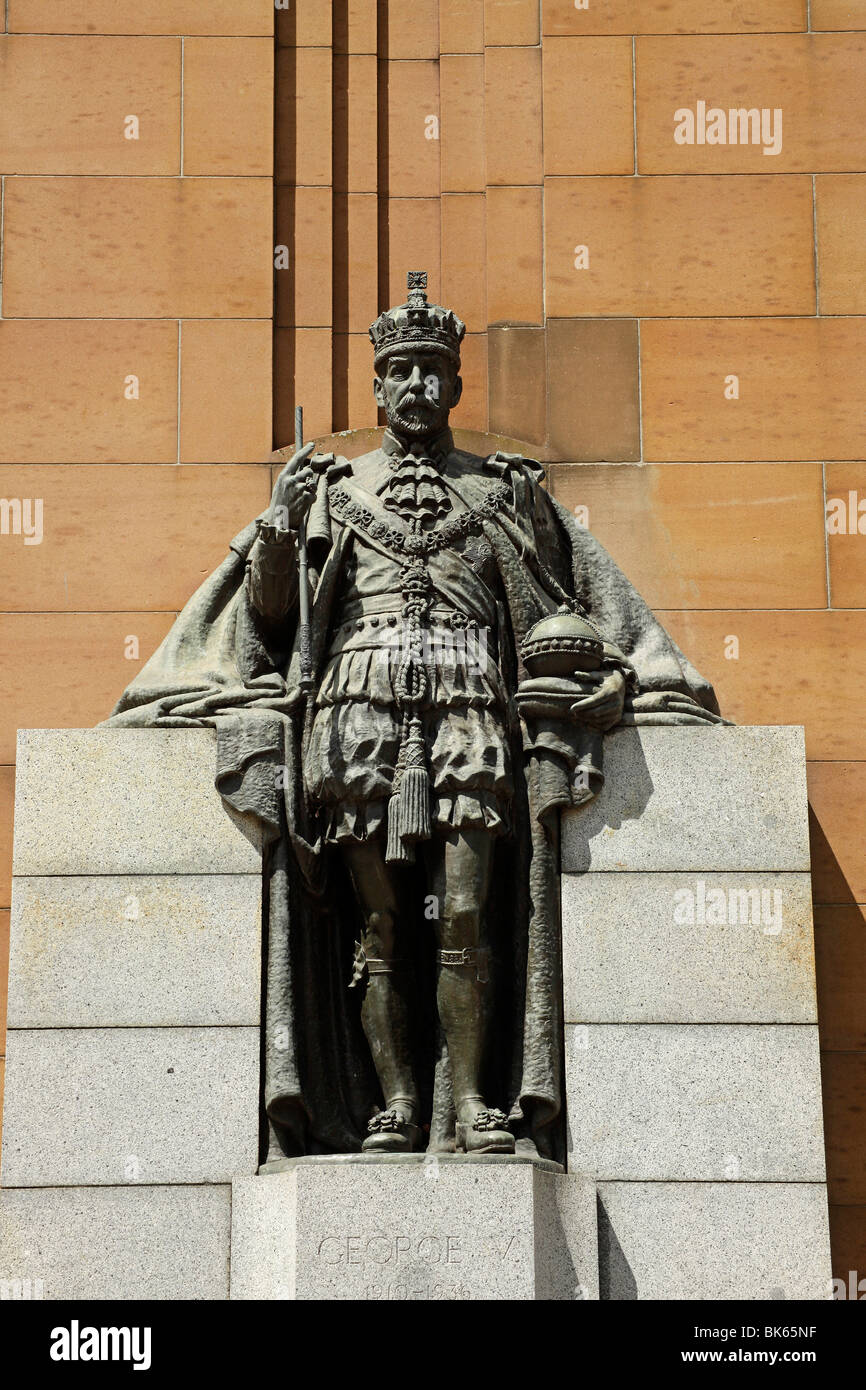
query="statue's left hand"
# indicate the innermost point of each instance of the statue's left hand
(603, 708)
(594, 699)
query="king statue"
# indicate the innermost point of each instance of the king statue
(410, 661)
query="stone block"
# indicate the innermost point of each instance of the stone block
(787, 412)
(228, 106)
(90, 643)
(155, 569)
(841, 976)
(824, 71)
(217, 422)
(424, 1229)
(515, 284)
(688, 948)
(679, 17)
(517, 380)
(461, 94)
(843, 1077)
(593, 389)
(695, 1102)
(130, 952)
(771, 644)
(691, 537)
(80, 83)
(108, 1106)
(846, 575)
(624, 222)
(686, 1241)
(512, 104)
(837, 806)
(413, 159)
(123, 801)
(155, 268)
(263, 1243)
(117, 1243)
(840, 200)
(587, 88)
(688, 798)
(304, 116)
(70, 367)
(149, 17)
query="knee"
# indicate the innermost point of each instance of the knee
(462, 921)
(380, 934)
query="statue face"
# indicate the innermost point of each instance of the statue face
(417, 391)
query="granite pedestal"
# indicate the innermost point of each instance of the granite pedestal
(692, 1068)
(404, 1230)
(695, 1142)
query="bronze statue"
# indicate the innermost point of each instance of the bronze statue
(405, 755)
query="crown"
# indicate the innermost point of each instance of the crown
(417, 324)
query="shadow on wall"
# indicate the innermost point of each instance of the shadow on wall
(830, 882)
(621, 799)
(616, 1281)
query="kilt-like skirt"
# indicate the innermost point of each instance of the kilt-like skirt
(351, 758)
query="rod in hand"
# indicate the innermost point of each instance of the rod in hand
(306, 651)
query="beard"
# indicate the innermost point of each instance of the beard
(416, 418)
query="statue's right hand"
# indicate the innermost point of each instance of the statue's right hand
(294, 491)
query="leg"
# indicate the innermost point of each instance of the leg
(385, 1010)
(461, 880)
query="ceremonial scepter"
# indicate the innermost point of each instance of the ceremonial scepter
(305, 644)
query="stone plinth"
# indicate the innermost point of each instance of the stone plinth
(688, 947)
(171, 950)
(130, 1141)
(695, 1101)
(708, 1241)
(161, 1242)
(407, 1230)
(153, 1105)
(691, 1041)
(123, 801)
(132, 1077)
(686, 797)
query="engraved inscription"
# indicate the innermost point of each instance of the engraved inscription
(389, 1250)
(430, 1266)
(416, 1291)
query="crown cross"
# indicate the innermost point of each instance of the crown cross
(416, 285)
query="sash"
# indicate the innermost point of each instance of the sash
(363, 513)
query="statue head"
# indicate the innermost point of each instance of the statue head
(416, 349)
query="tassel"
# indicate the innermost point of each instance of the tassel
(409, 807)
(415, 805)
(415, 788)
(396, 852)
